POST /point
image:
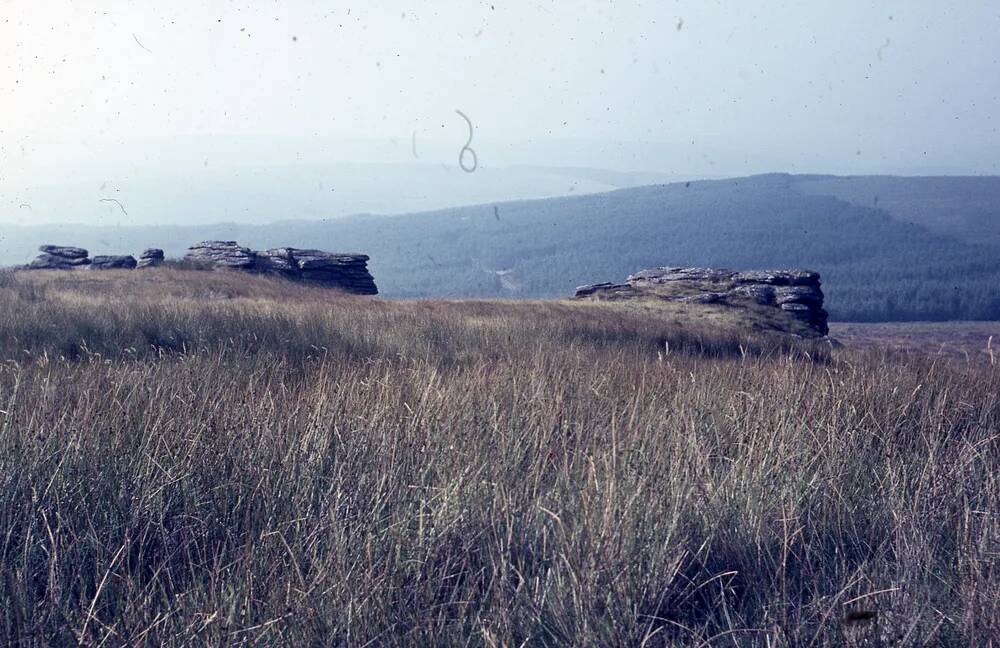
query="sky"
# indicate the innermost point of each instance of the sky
(115, 93)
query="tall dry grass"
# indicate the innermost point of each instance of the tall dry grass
(189, 458)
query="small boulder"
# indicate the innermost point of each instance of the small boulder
(150, 257)
(59, 257)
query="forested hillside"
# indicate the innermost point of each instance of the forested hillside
(875, 266)
(966, 207)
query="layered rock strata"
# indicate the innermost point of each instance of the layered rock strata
(59, 257)
(344, 271)
(150, 258)
(347, 272)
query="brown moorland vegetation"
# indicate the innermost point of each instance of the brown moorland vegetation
(963, 341)
(194, 458)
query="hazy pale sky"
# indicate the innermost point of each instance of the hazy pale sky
(833, 86)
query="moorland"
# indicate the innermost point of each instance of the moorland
(205, 458)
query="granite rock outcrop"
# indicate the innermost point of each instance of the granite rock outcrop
(795, 292)
(344, 271)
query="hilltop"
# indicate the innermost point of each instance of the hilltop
(173, 308)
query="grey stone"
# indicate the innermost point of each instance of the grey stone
(667, 274)
(113, 262)
(795, 292)
(343, 271)
(761, 294)
(278, 260)
(798, 295)
(64, 251)
(348, 272)
(52, 262)
(319, 260)
(221, 254)
(779, 277)
(149, 262)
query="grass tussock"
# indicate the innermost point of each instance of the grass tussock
(204, 458)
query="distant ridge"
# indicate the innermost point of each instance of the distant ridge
(884, 263)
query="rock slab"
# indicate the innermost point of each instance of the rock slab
(63, 251)
(59, 257)
(222, 254)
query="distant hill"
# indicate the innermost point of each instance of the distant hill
(890, 262)
(967, 207)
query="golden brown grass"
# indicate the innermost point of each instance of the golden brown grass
(962, 341)
(225, 460)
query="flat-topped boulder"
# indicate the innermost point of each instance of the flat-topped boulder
(63, 251)
(348, 271)
(59, 257)
(796, 293)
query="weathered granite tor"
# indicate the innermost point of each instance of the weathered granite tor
(59, 257)
(347, 272)
(795, 292)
